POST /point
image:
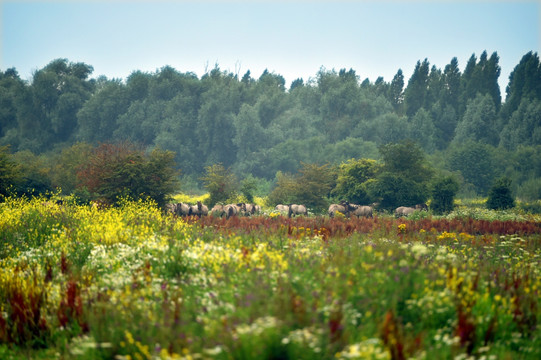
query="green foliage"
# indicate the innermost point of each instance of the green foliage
(61, 88)
(254, 126)
(406, 159)
(9, 173)
(523, 126)
(530, 189)
(422, 129)
(393, 190)
(443, 194)
(314, 184)
(480, 78)
(284, 191)
(523, 83)
(311, 186)
(499, 196)
(404, 177)
(396, 91)
(354, 177)
(35, 174)
(97, 118)
(416, 91)
(122, 171)
(67, 164)
(479, 122)
(248, 188)
(476, 163)
(221, 184)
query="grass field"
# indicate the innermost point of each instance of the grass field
(132, 283)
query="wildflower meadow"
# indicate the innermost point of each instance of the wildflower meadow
(131, 282)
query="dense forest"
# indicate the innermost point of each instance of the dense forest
(257, 127)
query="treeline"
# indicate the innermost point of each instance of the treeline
(257, 127)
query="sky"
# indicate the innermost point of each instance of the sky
(294, 39)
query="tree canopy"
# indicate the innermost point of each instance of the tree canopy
(256, 126)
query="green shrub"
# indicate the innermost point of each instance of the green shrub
(124, 171)
(221, 184)
(499, 196)
(443, 194)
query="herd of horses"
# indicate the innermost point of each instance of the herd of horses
(242, 209)
(200, 209)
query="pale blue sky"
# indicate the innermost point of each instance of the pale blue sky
(293, 39)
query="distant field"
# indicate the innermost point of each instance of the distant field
(77, 282)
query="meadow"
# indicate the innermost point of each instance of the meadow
(131, 282)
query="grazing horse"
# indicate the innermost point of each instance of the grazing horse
(231, 210)
(179, 209)
(171, 208)
(362, 210)
(250, 209)
(344, 208)
(183, 209)
(282, 208)
(199, 209)
(295, 210)
(217, 210)
(422, 207)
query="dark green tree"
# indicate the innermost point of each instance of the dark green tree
(396, 92)
(315, 183)
(390, 128)
(178, 133)
(443, 192)
(221, 184)
(97, 118)
(406, 159)
(451, 85)
(445, 122)
(116, 171)
(354, 178)
(524, 126)
(422, 130)
(393, 190)
(404, 178)
(165, 84)
(66, 165)
(140, 123)
(491, 73)
(468, 88)
(216, 129)
(9, 173)
(61, 88)
(524, 83)
(285, 190)
(12, 89)
(476, 163)
(35, 174)
(248, 188)
(416, 92)
(481, 77)
(138, 85)
(297, 83)
(435, 88)
(479, 122)
(250, 137)
(339, 103)
(311, 186)
(499, 196)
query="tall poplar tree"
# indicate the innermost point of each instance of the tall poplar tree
(451, 84)
(524, 82)
(416, 91)
(396, 92)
